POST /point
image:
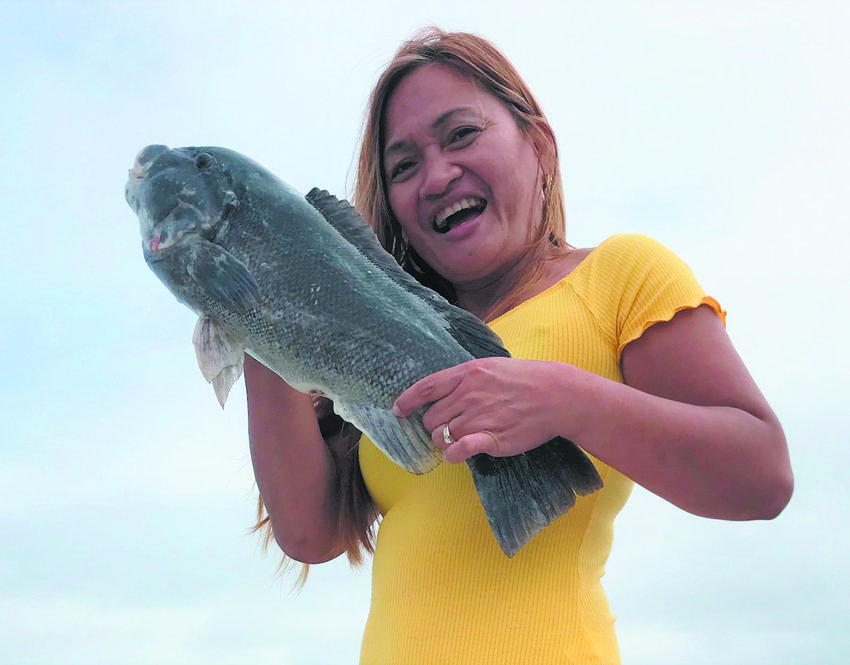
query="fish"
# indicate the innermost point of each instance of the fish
(303, 285)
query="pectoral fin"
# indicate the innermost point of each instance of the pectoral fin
(223, 277)
(220, 357)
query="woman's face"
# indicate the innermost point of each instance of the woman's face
(464, 182)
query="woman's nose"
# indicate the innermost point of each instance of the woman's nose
(440, 171)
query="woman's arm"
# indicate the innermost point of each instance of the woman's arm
(700, 432)
(295, 470)
(689, 423)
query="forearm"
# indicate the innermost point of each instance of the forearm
(688, 423)
(294, 469)
(715, 461)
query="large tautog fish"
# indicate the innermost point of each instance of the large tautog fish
(304, 286)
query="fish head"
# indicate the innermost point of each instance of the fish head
(178, 194)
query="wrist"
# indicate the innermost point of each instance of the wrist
(576, 401)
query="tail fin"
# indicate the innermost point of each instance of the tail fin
(523, 494)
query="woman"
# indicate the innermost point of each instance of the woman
(616, 348)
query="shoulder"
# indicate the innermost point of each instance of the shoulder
(628, 259)
(633, 281)
(631, 247)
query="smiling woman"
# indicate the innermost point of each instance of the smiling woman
(616, 347)
(491, 92)
(458, 164)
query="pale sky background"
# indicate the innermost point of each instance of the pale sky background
(718, 127)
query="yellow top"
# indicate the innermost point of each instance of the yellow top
(442, 590)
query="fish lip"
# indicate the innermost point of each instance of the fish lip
(147, 247)
(142, 163)
(145, 158)
(446, 205)
(158, 254)
(154, 255)
(138, 172)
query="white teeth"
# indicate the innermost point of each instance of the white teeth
(441, 219)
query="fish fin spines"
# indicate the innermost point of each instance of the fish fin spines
(474, 336)
(348, 222)
(466, 328)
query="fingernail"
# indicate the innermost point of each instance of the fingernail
(396, 411)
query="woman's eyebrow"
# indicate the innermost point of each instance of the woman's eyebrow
(445, 117)
(397, 146)
(442, 119)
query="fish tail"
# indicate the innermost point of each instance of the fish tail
(524, 493)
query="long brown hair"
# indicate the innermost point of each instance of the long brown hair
(477, 58)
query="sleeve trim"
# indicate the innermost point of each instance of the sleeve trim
(706, 300)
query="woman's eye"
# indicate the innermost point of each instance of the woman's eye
(461, 134)
(400, 170)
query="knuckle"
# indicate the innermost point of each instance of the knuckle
(427, 386)
(478, 371)
(476, 366)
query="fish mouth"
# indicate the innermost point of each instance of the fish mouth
(139, 171)
(457, 213)
(173, 226)
(144, 160)
(187, 218)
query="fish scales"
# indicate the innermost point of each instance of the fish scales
(303, 285)
(314, 336)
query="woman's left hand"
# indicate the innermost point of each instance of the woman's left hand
(498, 406)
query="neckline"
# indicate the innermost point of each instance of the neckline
(556, 285)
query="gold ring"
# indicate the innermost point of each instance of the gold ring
(447, 435)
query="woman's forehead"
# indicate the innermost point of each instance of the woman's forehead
(431, 95)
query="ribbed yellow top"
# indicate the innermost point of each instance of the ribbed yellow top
(442, 590)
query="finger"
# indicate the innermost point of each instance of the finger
(427, 390)
(440, 438)
(443, 411)
(469, 445)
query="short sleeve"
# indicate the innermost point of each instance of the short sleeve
(645, 283)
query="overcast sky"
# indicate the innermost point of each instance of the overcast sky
(719, 128)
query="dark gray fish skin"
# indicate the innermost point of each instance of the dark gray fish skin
(304, 286)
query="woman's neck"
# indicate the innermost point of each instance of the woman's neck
(498, 294)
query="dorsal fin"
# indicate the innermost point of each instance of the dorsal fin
(467, 329)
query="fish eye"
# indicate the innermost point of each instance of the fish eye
(203, 159)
